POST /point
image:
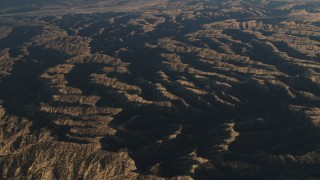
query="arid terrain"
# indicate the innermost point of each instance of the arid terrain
(176, 89)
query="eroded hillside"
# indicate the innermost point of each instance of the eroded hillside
(181, 90)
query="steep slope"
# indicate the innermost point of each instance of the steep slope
(186, 90)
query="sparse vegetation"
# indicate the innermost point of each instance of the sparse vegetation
(187, 89)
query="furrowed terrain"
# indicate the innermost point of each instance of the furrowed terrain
(187, 89)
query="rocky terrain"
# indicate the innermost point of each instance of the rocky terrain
(176, 89)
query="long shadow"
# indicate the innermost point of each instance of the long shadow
(23, 89)
(145, 133)
(264, 53)
(17, 37)
(283, 129)
(160, 138)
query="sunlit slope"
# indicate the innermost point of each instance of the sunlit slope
(186, 89)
